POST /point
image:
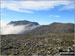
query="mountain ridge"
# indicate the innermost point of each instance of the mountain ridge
(35, 28)
(54, 28)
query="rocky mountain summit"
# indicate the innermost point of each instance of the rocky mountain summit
(23, 22)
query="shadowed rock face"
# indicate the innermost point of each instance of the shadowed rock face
(54, 28)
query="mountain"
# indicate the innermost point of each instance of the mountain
(54, 28)
(23, 22)
(27, 27)
(18, 27)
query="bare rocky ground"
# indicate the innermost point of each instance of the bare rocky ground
(30, 45)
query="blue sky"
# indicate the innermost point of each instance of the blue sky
(43, 12)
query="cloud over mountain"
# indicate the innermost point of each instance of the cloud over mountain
(17, 27)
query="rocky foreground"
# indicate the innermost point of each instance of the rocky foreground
(36, 45)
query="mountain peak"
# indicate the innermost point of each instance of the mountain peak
(22, 22)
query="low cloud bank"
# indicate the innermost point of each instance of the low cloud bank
(11, 29)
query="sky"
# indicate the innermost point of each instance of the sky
(43, 12)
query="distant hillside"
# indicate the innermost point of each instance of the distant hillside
(54, 28)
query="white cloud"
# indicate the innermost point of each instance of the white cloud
(69, 6)
(28, 6)
(54, 16)
(2, 24)
(11, 29)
